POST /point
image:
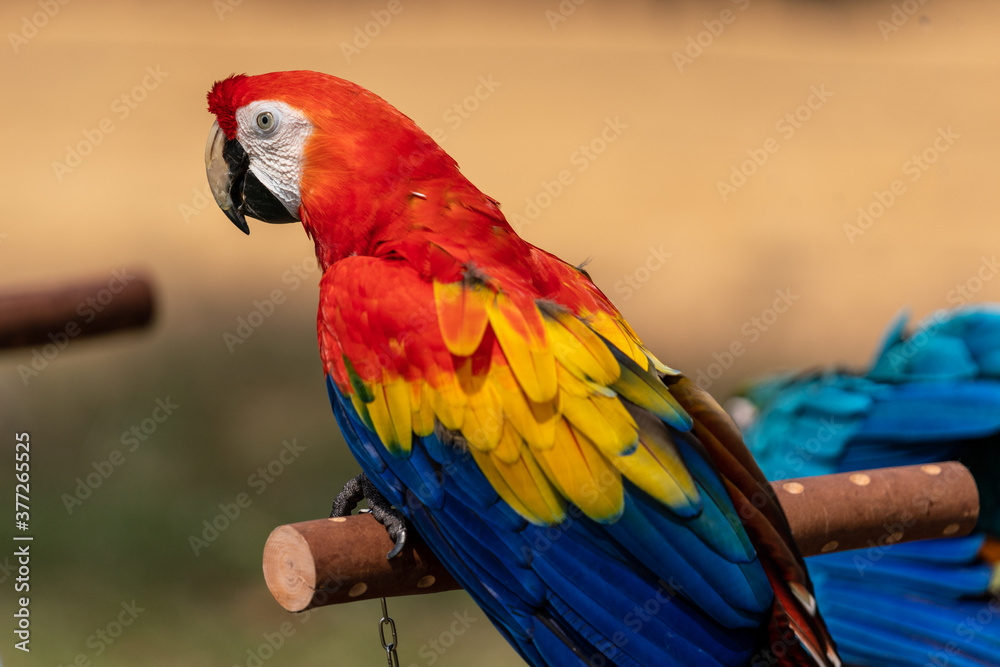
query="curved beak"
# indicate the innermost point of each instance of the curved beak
(226, 163)
(236, 189)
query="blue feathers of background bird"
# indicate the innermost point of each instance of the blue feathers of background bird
(930, 395)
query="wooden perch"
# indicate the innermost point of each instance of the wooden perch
(56, 315)
(329, 561)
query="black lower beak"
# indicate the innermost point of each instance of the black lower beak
(237, 164)
(259, 202)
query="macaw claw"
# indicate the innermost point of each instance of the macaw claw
(361, 488)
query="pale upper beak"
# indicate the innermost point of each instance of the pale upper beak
(224, 177)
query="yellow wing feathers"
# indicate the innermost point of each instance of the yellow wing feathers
(542, 409)
(522, 337)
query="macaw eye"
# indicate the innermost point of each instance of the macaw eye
(265, 121)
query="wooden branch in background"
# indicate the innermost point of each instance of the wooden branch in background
(330, 561)
(56, 315)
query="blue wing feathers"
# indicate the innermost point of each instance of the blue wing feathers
(576, 582)
(657, 539)
(622, 602)
(718, 526)
(559, 645)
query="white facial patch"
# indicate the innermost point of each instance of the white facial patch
(274, 136)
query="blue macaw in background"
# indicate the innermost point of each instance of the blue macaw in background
(930, 395)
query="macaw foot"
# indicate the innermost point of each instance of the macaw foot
(361, 488)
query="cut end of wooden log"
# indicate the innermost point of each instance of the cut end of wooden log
(289, 568)
(342, 559)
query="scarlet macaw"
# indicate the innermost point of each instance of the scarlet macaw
(597, 505)
(932, 394)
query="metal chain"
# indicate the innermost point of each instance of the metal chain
(390, 647)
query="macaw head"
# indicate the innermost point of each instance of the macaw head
(290, 146)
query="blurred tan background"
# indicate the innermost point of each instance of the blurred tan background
(714, 158)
